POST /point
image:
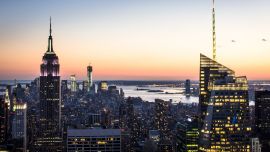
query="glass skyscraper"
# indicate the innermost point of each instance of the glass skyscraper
(223, 109)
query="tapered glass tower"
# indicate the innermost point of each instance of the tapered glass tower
(50, 105)
(89, 77)
(223, 109)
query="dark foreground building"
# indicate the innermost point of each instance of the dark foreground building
(4, 116)
(262, 118)
(187, 135)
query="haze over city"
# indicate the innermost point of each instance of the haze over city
(139, 40)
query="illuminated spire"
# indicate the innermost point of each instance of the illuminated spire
(50, 40)
(214, 31)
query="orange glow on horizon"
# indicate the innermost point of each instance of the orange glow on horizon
(160, 41)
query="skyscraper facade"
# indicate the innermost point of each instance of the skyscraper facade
(19, 124)
(50, 104)
(4, 116)
(187, 135)
(103, 86)
(161, 117)
(262, 118)
(85, 86)
(187, 88)
(223, 109)
(73, 83)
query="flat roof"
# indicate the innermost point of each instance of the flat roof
(93, 132)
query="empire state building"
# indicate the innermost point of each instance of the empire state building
(50, 105)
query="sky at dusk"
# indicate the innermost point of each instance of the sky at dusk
(134, 39)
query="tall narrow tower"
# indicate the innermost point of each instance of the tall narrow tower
(50, 105)
(89, 76)
(214, 31)
(73, 83)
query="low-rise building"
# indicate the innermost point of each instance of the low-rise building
(97, 139)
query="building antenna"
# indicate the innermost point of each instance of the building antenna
(50, 40)
(50, 26)
(214, 31)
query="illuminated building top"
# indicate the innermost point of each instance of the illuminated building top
(50, 65)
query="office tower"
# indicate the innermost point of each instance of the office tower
(187, 135)
(131, 124)
(255, 145)
(73, 83)
(121, 92)
(209, 72)
(113, 90)
(223, 108)
(161, 117)
(187, 88)
(64, 92)
(105, 116)
(32, 126)
(35, 89)
(154, 135)
(64, 86)
(88, 140)
(85, 86)
(94, 119)
(4, 116)
(262, 118)
(50, 104)
(9, 92)
(89, 77)
(125, 141)
(102, 86)
(161, 123)
(122, 115)
(19, 125)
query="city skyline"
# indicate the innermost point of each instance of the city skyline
(118, 76)
(134, 40)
